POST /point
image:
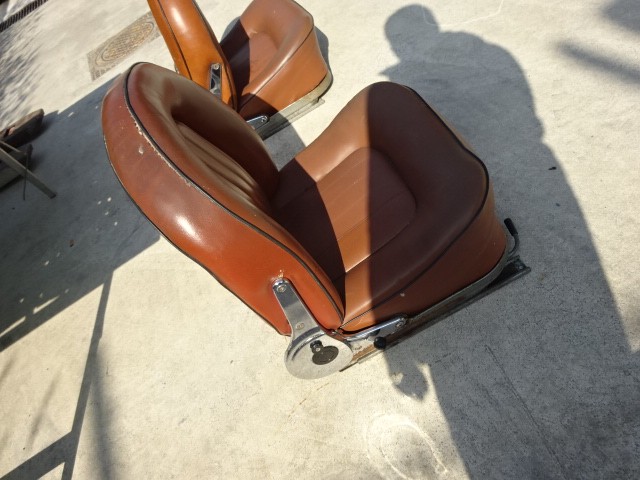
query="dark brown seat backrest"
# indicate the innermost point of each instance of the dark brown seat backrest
(274, 54)
(203, 177)
(193, 45)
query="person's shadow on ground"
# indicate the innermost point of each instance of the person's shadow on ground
(524, 376)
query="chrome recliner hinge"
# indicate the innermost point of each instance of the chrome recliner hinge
(215, 82)
(313, 352)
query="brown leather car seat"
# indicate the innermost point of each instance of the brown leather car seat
(269, 62)
(385, 214)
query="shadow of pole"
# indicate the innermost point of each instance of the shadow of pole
(595, 60)
(65, 450)
(55, 253)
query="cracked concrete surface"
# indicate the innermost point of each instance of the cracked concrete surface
(121, 358)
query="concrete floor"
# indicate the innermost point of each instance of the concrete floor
(121, 358)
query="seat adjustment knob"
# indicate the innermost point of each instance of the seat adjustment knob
(321, 354)
(380, 343)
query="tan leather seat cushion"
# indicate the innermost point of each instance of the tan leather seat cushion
(387, 212)
(381, 197)
(274, 55)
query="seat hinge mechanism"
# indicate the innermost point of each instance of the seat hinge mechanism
(257, 122)
(313, 352)
(215, 82)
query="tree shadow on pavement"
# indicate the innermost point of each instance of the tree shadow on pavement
(56, 251)
(53, 253)
(624, 14)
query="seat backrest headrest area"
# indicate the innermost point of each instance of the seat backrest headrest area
(192, 44)
(279, 28)
(283, 21)
(203, 177)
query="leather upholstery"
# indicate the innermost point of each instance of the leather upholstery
(271, 55)
(387, 212)
(192, 44)
(409, 208)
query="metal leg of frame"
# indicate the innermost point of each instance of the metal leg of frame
(22, 170)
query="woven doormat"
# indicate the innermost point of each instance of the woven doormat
(114, 50)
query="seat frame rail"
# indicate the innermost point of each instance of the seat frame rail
(315, 352)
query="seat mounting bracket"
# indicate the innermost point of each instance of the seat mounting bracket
(313, 352)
